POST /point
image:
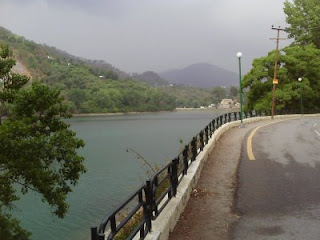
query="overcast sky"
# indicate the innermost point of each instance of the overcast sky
(157, 35)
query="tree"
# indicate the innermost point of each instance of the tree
(294, 62)
(37, 148)
(218, 94)
(78, 97)
(234, 91)
(304, 20)
(10, 82)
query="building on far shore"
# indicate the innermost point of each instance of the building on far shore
(226, 103)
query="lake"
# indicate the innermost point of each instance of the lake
(113, 172)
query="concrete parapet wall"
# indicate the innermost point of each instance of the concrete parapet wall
(167, 220)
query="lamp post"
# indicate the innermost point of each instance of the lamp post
(301, 103)
(239, 55)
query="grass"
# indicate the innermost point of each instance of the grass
(130, 226)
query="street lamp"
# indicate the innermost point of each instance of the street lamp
(239, 55)
(301, 103)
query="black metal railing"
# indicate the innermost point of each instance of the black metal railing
(135, 214)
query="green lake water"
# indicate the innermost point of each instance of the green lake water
(113, 173)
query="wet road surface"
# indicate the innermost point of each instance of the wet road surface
(278, 196)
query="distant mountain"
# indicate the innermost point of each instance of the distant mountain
(150, 78)
(202, 75)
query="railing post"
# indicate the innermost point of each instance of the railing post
(149, 203)
(94, 233)
(235, 116)
(113, 227)
(225, 118)
(201, 140)
(142, 233)
(206, 130)
(174, 176)
(213, 125)
(185, 159)
(194, 148)
(144, 206)
(229, 117)
(210, 129)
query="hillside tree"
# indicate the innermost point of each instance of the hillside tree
(233, 91)
(37, 148)
(218, 93)
(303, 17)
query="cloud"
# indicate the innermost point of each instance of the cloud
(145, 35)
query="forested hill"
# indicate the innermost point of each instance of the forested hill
(201, 75)
(87, 85)
(150, 78)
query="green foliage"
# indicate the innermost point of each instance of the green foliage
(87, 86)
(189, 97)
(304, 19)
(234, 92)
(10, 229)
(195, 97)
(37, 148)
(150, 78)
(218, 93)
(294, 62)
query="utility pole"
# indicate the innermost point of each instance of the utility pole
(275, 80)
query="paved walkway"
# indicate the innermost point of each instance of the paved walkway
(209, 213)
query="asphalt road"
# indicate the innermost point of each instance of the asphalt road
(278, 196)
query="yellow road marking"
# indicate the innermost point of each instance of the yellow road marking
(249, 142)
